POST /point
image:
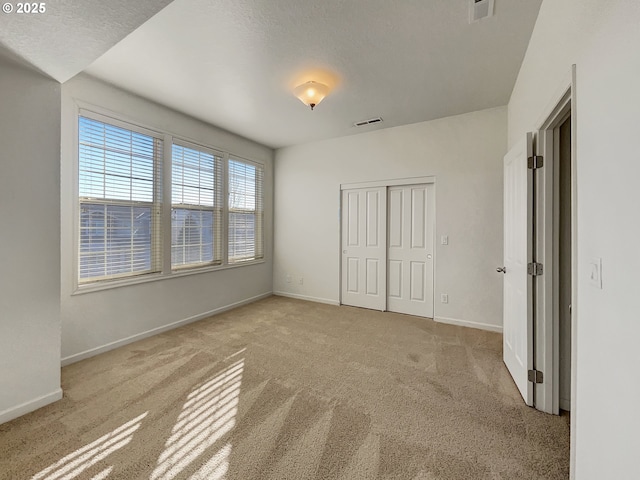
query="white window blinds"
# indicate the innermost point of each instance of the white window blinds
(245, 225)
(143, 210)
(119, 172)
(196, 206)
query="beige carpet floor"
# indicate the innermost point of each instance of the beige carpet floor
(286, 389)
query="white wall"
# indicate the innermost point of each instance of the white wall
(92, 322)
(603, 40)
(29, 241)
(464, 153)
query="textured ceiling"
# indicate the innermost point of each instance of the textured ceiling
(234, 63)
(69, 35)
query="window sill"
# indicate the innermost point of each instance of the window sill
(155, 277)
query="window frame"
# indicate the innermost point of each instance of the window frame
(217, 210)
(259, 212)
(164, 184)
(155, 253)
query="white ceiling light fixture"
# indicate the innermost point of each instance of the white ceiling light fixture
(311, 93)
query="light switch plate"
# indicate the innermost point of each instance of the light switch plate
(595, 272)
(444, 240)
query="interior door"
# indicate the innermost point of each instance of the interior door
(410, 249)
(364, 247)
(518, 288)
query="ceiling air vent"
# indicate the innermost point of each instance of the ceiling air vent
(368, 122)
(479, 9)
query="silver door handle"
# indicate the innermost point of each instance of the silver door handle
(501, 269)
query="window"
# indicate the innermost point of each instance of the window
(245, 211)
(196, 207)
(141, 213)
(119, 230)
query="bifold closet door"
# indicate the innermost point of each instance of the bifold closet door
(410, 249)
(364, 247)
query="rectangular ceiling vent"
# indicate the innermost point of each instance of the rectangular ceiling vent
(479, 9)
(368, 122)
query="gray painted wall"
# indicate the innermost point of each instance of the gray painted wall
(29, 240)
(465, 155)
(96, 321)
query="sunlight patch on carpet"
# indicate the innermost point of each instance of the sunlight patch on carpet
(77, 462)
(103, 474)
(207, 416)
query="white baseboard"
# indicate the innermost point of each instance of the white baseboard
(154, 331)
(466, 323)
(565, 404)
(30, 406)
(307, 297)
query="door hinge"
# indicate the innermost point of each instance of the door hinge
(535, 376)
(535, 162)
(535, 269)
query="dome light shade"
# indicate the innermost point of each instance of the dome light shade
(311, 93)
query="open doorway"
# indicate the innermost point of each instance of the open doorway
(555, 240)
(539, 261)
(562, 212)
(540, 266)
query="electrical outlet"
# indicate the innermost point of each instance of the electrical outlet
(288, 278)
(301, 281)
(444, 298)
